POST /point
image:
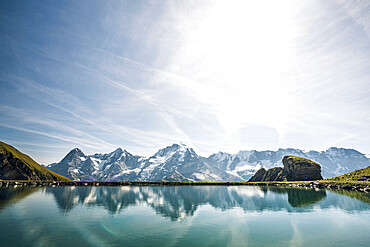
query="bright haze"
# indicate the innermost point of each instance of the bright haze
(216, 75)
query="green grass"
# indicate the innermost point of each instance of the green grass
(299, 160)
(365, 197)
(31, 164)
(362, 175)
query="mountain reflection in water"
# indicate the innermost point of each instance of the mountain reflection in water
(178, 202)
(182, 201)
(182, 216)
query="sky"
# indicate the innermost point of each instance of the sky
(216, 75)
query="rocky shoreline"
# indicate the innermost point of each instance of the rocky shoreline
(362, 187)
(321, 185)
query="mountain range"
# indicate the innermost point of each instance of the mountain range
(179, 162)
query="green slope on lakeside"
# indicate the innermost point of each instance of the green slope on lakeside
(15, 165)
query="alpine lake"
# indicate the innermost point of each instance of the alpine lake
(183, 216)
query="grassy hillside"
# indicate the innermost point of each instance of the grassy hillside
(358, 175)
(15, 165)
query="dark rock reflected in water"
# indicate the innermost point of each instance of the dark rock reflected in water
(300, 197)
(182, 216)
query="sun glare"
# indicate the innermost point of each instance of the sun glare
(244, 49)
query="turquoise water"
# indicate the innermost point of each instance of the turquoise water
(183, 216)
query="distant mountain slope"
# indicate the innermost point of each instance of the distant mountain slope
(358, 175)
(15, 165)
(179, 162)
(334, 161)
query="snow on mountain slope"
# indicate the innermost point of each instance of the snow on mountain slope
(118, 164)
(338, 161)
(245, 163)
(72, 165)
(179, 162)
(334, 161)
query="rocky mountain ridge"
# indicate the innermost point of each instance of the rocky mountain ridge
(179, 162)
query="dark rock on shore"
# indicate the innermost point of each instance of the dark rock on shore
(273, 174)
(258, 176)
(301, 169)
(295, 169)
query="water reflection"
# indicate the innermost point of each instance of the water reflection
(11, 195)
(180, 202)
(186, 216)
(365, 197)
(301, 197)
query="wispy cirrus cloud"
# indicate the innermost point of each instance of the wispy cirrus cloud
(64, 102)
(217, 75)
(53, 128)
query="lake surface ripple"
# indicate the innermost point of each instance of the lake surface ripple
(183, 216)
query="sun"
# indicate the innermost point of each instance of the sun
(241, 51)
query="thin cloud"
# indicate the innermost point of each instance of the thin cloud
(48, 96)
(25, 118)
(142, 78)
(143, 96)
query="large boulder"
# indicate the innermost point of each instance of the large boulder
(301, 169)
(295, 169)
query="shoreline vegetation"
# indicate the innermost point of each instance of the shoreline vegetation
(361, 186)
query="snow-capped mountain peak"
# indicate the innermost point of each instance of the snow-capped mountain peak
(117, 154)
(118, 150)
(179, 162)
(179, 150)
(73, 154)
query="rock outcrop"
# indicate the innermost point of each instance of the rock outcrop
(273, 174)
(258, 176)
(301, 169)
(295, 169)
